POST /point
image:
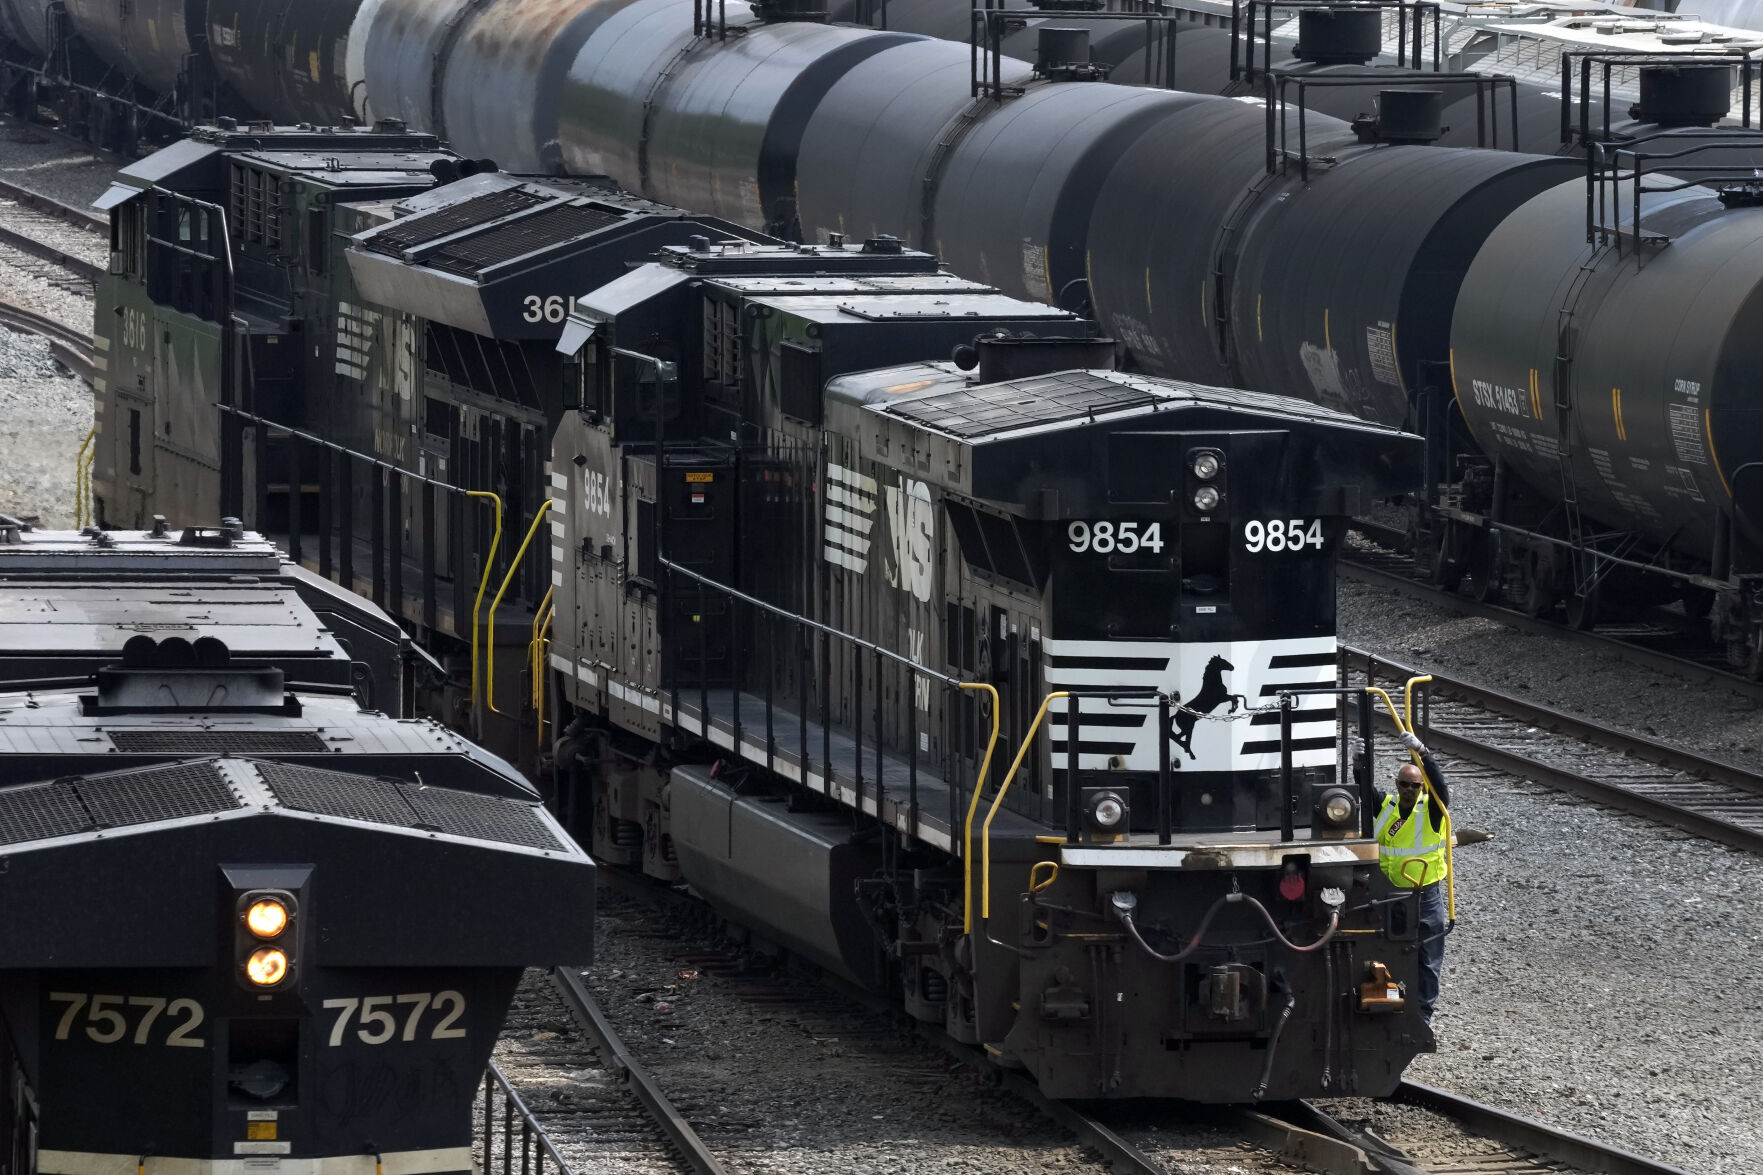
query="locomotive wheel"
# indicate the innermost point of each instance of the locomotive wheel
(1488, 561)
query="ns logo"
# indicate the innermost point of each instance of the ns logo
(902, 533)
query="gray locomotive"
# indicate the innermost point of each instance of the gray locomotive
(246, 921)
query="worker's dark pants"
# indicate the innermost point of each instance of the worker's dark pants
(1432, 945)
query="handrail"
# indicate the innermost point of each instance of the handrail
(79, 467)
(483, 584)
(86, 480)
(985, 901)
(973, 806)
(533, 1143)
(536, 653)
(513, 569)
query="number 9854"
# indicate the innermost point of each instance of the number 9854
(1278, 534)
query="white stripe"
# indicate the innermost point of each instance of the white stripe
(845, 497)
(850, 477)
(841, 538)
(420, 1162)
(102, 342)
(1251, 856)
(849, 562)
(560, 481)
(557, 579)
(559, 528)
(861, 523)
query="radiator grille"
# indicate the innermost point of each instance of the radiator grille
(407, 805)
(218, 742)
(116, 800)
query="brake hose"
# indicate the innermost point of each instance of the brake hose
(1279, 1026)
(1124, 902)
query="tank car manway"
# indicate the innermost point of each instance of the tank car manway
(1667, 784)
(1641, 642)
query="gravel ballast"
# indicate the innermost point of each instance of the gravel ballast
(45, 414)
(51, 165)
(1603, 975)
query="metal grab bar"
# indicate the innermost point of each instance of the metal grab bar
(513, 570)
(483, 584)
(985, 901)
(79, 477)
(526, 1138)
(973, 806)
(536, 652)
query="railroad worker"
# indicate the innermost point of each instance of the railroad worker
(1411, 849)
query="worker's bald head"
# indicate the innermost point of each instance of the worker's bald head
(1408, 777)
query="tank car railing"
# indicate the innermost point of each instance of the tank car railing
(795, 672)
(511, 1140)
(1609, 166)
(1613, 62)
(991, 20)
(1487, 103)
(1410, 25)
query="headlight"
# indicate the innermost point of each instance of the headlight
(1206, 498)
(266, 918)
(1107, 810)
(1206, 466)
(1337, 807)
(267, 966)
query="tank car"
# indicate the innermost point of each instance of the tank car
(243, 919)
(979, 681)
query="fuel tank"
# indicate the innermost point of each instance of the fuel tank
(1656, 397)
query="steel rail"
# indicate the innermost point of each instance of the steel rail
(1627, 649)
(535, 1141)
(71, 347)
(69, 213)
(1614, 794)
(674, 1127)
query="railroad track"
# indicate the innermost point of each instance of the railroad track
(1475, 1138)
(1653, 643)
(1708, 797)
(72, 348)
(564, 1087)
(32, 223)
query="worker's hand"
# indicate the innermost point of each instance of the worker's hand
(1412, 742)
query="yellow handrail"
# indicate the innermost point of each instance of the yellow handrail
(79, 478)
(536, 653)
(1405, 724)
(973, 804)
(513, 567)
(985, 835)
(541, 618)
(483, 584)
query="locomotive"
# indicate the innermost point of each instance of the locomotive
(294, 923)
(867, 590)
(621, 646)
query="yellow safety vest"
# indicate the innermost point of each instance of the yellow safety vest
(1402, 840)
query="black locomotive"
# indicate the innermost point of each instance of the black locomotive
(1030, 620)
(243, 918)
